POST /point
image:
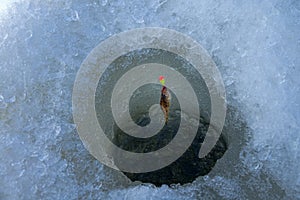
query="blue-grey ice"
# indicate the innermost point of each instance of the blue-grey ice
(255, 44)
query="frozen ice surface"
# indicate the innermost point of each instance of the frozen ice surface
(255, 44)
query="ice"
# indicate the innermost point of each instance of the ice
(3, 105)
(255, 45)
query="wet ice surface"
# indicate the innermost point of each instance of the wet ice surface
(255, 46)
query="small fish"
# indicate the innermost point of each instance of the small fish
(165, 98)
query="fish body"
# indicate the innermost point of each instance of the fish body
(165, 99)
